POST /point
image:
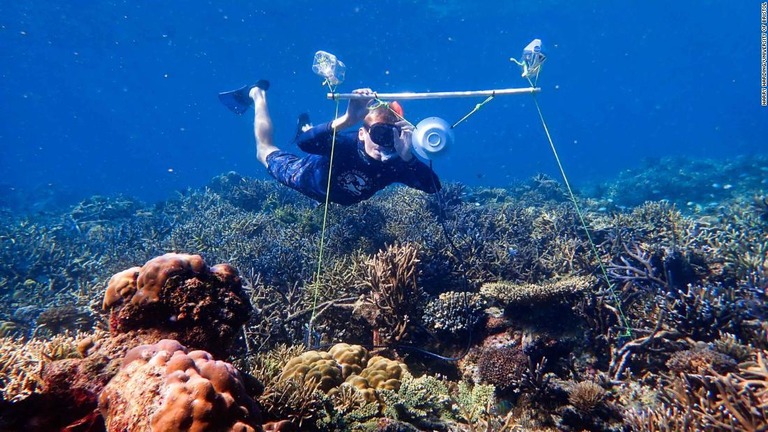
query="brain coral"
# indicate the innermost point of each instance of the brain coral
(182, 298)
(162, 387)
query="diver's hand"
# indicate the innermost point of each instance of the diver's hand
(357, 109)
(404, 145)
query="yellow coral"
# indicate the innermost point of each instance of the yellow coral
(352, 358)
(383, 373)
(314, 367)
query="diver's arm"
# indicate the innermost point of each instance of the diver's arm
(356, 110)
(316, 140)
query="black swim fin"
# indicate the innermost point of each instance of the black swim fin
(238, 100)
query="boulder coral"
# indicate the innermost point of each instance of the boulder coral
(345, 363)
(181, 298)
(165, 387)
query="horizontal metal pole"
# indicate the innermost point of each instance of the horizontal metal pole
(435, 95)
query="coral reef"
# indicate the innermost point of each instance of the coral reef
(656, 320)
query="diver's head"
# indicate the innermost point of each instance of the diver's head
(380, 131)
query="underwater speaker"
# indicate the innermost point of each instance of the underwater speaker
(432, 137)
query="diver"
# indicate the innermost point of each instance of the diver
(379, 155)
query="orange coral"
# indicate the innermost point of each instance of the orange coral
(177, 296)
(164, 387)
(121, 287)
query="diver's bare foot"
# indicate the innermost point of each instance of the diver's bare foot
(256, 92)
(259, 89)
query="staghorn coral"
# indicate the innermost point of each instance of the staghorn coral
(165, 387)
(22, 363)
(729, 345)
(467, 237)
(734, 401)
(292, 400)
(179, 296)
(267, 366)
(20, 370)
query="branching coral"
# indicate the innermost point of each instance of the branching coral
(20, 370)
(419, 401)
(700, 360)
(390, 306)
(474, 403)
(734, 401)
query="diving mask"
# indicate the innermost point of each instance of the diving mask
(384, 134)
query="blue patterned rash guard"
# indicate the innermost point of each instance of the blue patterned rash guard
(356, 176)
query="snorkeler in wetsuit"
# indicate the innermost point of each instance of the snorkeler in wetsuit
(379, 155)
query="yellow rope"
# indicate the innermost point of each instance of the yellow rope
(322, 232)
(622, 317)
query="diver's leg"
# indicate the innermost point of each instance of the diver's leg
(262, 125)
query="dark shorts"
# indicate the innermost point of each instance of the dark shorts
(300, 173)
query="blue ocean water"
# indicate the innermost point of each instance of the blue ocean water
(119, 97)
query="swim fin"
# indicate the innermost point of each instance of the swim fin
(238, 100)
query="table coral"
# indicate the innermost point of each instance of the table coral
(182, 298)
(165, 387)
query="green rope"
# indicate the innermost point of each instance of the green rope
(622, 317)
(474, 110)
(322, 232)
